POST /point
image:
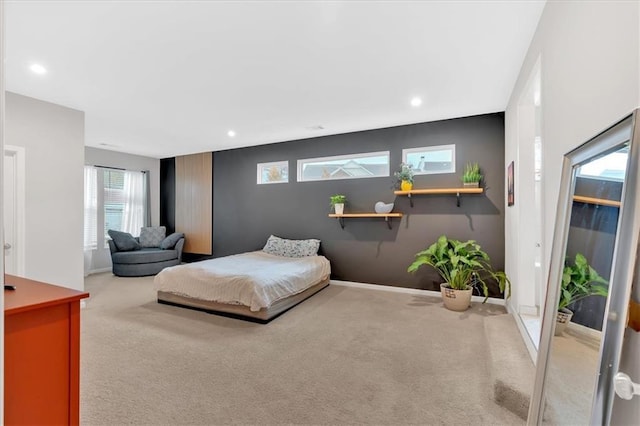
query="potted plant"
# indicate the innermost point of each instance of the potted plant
(405, 176)
(471, 176)
(579, 280)
(337, 202)
(463, 266)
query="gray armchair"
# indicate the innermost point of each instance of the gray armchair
(145, 261)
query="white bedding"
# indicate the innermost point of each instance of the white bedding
(256, 279)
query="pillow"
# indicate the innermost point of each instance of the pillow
(171, 240)
(152, 236)
(124, 241)
(291, 248)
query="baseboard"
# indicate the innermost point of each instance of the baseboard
(585, 331)
(526, 338)
(98, 271)
(405, 290)
(529, 310)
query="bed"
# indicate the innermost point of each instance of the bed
(256, 286)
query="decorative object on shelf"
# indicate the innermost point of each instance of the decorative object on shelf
(511, 199)
(404, 177)
(337, 202)
(381, 207)
(579, 280)
(471, 177)
(464, 267)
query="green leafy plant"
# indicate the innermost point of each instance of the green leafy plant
(471, 173)
(461, 265)
(406, 173)
(580, 280)
(337, 199)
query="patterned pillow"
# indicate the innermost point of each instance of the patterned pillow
(124, 241)
(291, 248)
(152, 236)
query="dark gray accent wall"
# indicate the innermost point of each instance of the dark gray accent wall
(245, 214)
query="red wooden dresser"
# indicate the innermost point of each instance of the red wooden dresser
(41, 353)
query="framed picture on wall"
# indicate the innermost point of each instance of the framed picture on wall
(510, 186)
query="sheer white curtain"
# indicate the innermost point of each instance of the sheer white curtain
(90, 215)
(133, 214)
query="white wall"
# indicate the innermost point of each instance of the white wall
(101, 258)
(590, 54)
(53, 139)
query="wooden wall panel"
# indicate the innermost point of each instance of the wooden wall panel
(194, 193)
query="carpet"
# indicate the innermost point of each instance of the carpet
(344, 356)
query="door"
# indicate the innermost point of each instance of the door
(14, 210)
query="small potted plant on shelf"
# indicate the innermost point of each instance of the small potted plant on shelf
(405, 177)
(337, 202)
(472, 177)
(463, 266)
(579, 280)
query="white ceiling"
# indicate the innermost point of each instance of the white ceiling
(170, 78)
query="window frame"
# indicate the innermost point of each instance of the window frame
(451, 147)
(303, 161)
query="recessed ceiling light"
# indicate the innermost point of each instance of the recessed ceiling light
(416, 102)
(38, 69)
(231, 133)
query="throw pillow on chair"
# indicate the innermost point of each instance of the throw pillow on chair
(152, 236)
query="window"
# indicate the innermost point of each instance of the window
(430, 160)
(277, 172)
(114, 199)
(354, 166)
(610, 167)
(113, 186)
(90, 208)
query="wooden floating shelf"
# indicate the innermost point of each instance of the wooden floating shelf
(440, 191)
(597, 201)
(386, 216)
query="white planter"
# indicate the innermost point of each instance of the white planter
(456, 300)
(563, 318)
(339, 208)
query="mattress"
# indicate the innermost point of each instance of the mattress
(256, 279)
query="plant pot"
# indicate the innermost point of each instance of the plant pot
(563, 318)
(405, 185)
(456, 300)
(471, 184)
(339, 208)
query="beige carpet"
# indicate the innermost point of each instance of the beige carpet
(344, 356)
(573, 368)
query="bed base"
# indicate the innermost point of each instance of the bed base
(263, 316)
